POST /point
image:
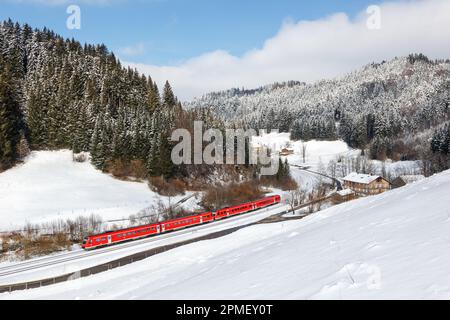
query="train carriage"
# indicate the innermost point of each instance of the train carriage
(181, 223)
(247, 207)
(267, 202)
(113, 237)
(236, 210)
(123, 235)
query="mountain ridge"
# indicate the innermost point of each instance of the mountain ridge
(373, 107)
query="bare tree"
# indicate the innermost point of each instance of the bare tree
(304, 146)
(296, 198)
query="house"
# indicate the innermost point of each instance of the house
(407, 179)
(286, 152)
(344, 196)
(365, 184)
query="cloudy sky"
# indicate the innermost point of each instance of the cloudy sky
(208, 45)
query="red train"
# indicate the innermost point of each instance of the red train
(113, 237)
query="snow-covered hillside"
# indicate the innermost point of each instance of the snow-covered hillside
(394, 246)
(50, 186)
(402, 94)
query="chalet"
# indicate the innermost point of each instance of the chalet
(366, 185)
(407, 179)
(286, 152)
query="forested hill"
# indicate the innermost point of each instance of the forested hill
(374, 105)
(57, 93)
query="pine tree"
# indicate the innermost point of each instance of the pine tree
(169, 100)
(80, 97)
(98, 154)
(165, 161)
(10, 118)
(153, 163)
(153, 98)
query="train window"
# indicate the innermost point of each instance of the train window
(97, 240)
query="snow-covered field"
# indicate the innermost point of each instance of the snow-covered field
(391, 246)
(318, 155)
(50, 186)
(315, 152)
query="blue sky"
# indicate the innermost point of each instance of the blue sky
(162, 32)
(209, 45)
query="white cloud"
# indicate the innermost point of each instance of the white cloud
(134, 50)
(313, 50)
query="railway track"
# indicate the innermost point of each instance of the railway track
(78, 255)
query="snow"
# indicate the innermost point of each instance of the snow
(398, 168)
(345, 192)
(316, 151)
(360, 178)
(391, 246)
(377, 88)
(317, 155)
(69, 262)
(50, 186)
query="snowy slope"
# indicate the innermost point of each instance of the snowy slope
(49, 186)
(315, 151)
(394, 245)
(400, 84)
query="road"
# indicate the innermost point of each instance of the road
(337, 181)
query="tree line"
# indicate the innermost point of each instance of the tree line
(57, 93)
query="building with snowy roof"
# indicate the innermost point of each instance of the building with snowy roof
(365, 184)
